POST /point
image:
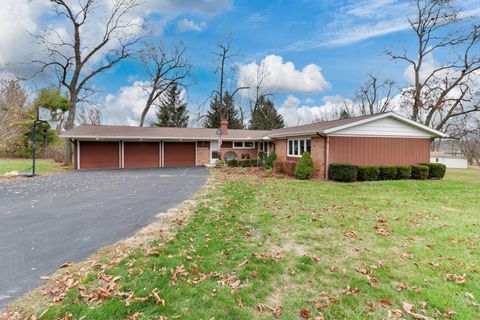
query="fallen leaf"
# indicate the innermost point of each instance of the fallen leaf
(305, 314)
(243, 263)
(67, 264)
(409, 308)
(458, 279)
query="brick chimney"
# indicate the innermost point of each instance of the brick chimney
(224, 126)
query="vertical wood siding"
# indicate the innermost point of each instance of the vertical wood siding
(376, 150)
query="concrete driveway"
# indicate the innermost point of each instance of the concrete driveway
(46, 221)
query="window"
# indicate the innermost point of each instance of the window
(296, 147)
(243, 145)
(264, 147)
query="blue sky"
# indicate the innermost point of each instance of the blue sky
(342, 41)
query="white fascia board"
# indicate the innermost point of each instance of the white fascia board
(295, 134)
(133, 138)
(433, 132)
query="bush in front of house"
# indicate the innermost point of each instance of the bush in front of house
(271, 158)
(419, 172)
(261, 157)
(304, 167)
(404, 172)
(285, 167)
(245, 163)
(368, 173)
(232, 163)
(344, 172)
(435, 170)
(387, 172)
(219, 163)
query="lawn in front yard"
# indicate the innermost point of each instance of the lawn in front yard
(25, 166)
(259, 247)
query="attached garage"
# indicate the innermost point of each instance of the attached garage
(179, 154)
(99, 155)
(141, 154)
(379, 150)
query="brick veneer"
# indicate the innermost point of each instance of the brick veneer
(318, 154)
(203, 155)
(239, 152)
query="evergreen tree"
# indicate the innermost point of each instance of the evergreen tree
(229, 111)
(265, 116)
(172, 111)
(345, 114)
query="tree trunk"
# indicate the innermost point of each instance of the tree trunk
(70, 123)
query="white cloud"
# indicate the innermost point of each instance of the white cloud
(206, 8)
(284, 76)
(185, 25)
(125, 107)
(18, 19)
(295, 113)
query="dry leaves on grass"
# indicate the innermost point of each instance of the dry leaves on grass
(410, 308)
(457, 278)
(276, 311)
(277, 255)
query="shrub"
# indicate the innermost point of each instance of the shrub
(387, 172)
(304, 167)
(368, 173)
(219, 163)
(232, 163)
(261, 157)
(272, 157)
(404, 172)
(345, 172)
(435, 170)
(278, 167)
(419, 172)
(284, 167)
(245, 163)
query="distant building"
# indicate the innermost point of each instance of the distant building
(450, 153)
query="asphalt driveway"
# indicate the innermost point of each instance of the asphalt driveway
(47, 221)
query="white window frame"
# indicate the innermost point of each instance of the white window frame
(263, 144)
(243, 145)
(299, 143)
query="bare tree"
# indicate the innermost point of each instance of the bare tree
(441, 93)
(467, 132)
(165, 68)
(90, 115)
(259, 88)
(76, 58)
(224, 54)
(374, 96)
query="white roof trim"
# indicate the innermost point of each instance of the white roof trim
(157, 138)
(433, 132)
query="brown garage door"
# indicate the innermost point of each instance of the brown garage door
(179, 154)
(372, 150)
(99, 155)
(141, 154)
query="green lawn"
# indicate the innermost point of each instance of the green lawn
(25, 166)
(275, 248)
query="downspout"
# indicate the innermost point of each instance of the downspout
(325, 163)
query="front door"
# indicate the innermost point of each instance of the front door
(213, 151)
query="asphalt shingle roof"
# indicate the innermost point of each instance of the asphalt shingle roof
(104, 131)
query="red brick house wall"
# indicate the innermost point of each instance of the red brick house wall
(318, 154)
